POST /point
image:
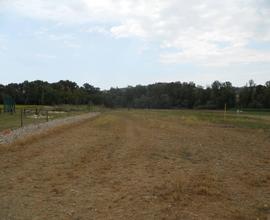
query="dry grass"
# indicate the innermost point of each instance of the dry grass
(138, 165)
(31, 138)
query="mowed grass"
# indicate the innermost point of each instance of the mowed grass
(255, 120)
(248, 119)
(13, 121)
(140, 164)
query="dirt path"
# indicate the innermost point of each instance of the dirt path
(135, 165)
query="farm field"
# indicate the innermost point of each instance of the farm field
(142, 164)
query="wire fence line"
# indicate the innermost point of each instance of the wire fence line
(33, 115)
(34, 129)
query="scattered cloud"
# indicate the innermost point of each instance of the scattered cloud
(98, 30)
(69, 40)
(129, 29)
(205, 32)
(217, 57)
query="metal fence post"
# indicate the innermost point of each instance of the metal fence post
(47, 115)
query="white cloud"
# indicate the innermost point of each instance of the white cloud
(197, 28)
(97, 29)
(130, 28)
(69, 40)
(217, 57)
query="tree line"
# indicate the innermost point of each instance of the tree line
(158, 95)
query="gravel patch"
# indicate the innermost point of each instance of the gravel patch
(10, 136)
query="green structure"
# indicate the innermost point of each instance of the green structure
(9, 104)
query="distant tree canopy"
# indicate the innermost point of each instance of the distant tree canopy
(159, 95)
(44, 93)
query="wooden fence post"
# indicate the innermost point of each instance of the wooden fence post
(225, 110)
(21, 117)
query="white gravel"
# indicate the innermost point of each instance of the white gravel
(13, 135)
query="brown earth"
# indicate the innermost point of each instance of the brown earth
(137, 165)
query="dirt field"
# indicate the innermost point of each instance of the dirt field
(138, 165)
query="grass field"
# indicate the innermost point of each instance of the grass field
(13, 121)
(259, 120)
(142, 164)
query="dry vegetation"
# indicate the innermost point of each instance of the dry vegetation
(138, 165)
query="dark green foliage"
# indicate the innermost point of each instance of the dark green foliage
(188, 95)
(171, 95)
(159, 95)
(44, 93)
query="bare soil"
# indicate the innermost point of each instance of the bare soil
(137, 165)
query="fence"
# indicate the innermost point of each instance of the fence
(24, 116)
(38, 114)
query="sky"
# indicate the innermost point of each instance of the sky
(116, 43)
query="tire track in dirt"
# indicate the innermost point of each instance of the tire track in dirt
(125, 165)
